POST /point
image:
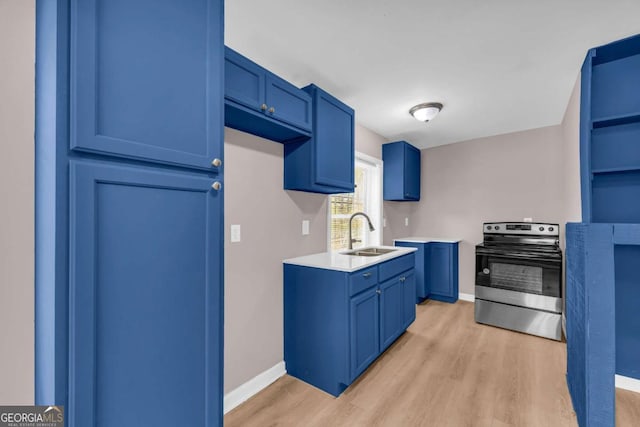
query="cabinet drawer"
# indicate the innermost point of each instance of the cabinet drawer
(363, 279)
(396, 266)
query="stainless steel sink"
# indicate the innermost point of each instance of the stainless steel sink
(369, 252)
(362, 253)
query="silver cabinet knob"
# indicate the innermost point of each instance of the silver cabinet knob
(378, 291)
(216, 185)
(272, 110)
(263, 107)
(216, 162)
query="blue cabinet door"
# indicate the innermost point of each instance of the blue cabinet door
(401, 171)
(333, 140)
(287, 103)
(443, 271)
(146, 79)
(391, 311)
(244, 81)
(440, 271)
(421, 271)
(409, 299)
(411, 172)
(145, 290)
(365, 330)
(324, 163)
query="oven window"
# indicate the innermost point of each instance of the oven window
(517, 277)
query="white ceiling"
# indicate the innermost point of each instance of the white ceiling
(498, 66)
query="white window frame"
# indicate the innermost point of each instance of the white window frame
(373, 197)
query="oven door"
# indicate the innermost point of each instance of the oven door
(535, 273)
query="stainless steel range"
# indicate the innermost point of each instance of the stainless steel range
(519, 278)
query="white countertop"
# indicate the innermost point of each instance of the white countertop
(426, 240)
(348, 263)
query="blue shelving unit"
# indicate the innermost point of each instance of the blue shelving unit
(610, 133)
(603, 280)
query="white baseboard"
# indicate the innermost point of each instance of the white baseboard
(253, 386)
(467, 297)
(628, 383)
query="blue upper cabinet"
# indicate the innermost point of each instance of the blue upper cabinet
(401, 171)
(609, 133)
(324, 163)
(144, 80)
(287, 103)
(244, 81)
(260, 103)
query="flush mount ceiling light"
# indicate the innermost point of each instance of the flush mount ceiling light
(425, 112)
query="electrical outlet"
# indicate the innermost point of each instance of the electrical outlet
(235, 233)
(305, 227)
(384, 222)
(406, 221)
(528, 219)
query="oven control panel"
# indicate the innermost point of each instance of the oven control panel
(527, 228)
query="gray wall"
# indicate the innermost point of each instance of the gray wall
(500, 178)
(534, 173)
(571, 157)
(271, 231)
(17, 44)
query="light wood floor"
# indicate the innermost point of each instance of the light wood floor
(446, 370)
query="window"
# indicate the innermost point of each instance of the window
(366, 198)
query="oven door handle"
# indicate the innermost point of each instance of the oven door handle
(517, 255)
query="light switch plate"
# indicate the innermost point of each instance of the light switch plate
(406, 221)
(235, 233)
(384, 222)
(528, 219)
(305, 227)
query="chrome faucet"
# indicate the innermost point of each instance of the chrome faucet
(371, 227)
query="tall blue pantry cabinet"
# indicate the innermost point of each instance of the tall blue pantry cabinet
(129, 211)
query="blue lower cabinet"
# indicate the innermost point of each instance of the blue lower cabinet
(443, 271)
(391, 316)
(365, 330)
(145, 314)
(408, 298)
(436, 270)
(421, 283)
(337, 323)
